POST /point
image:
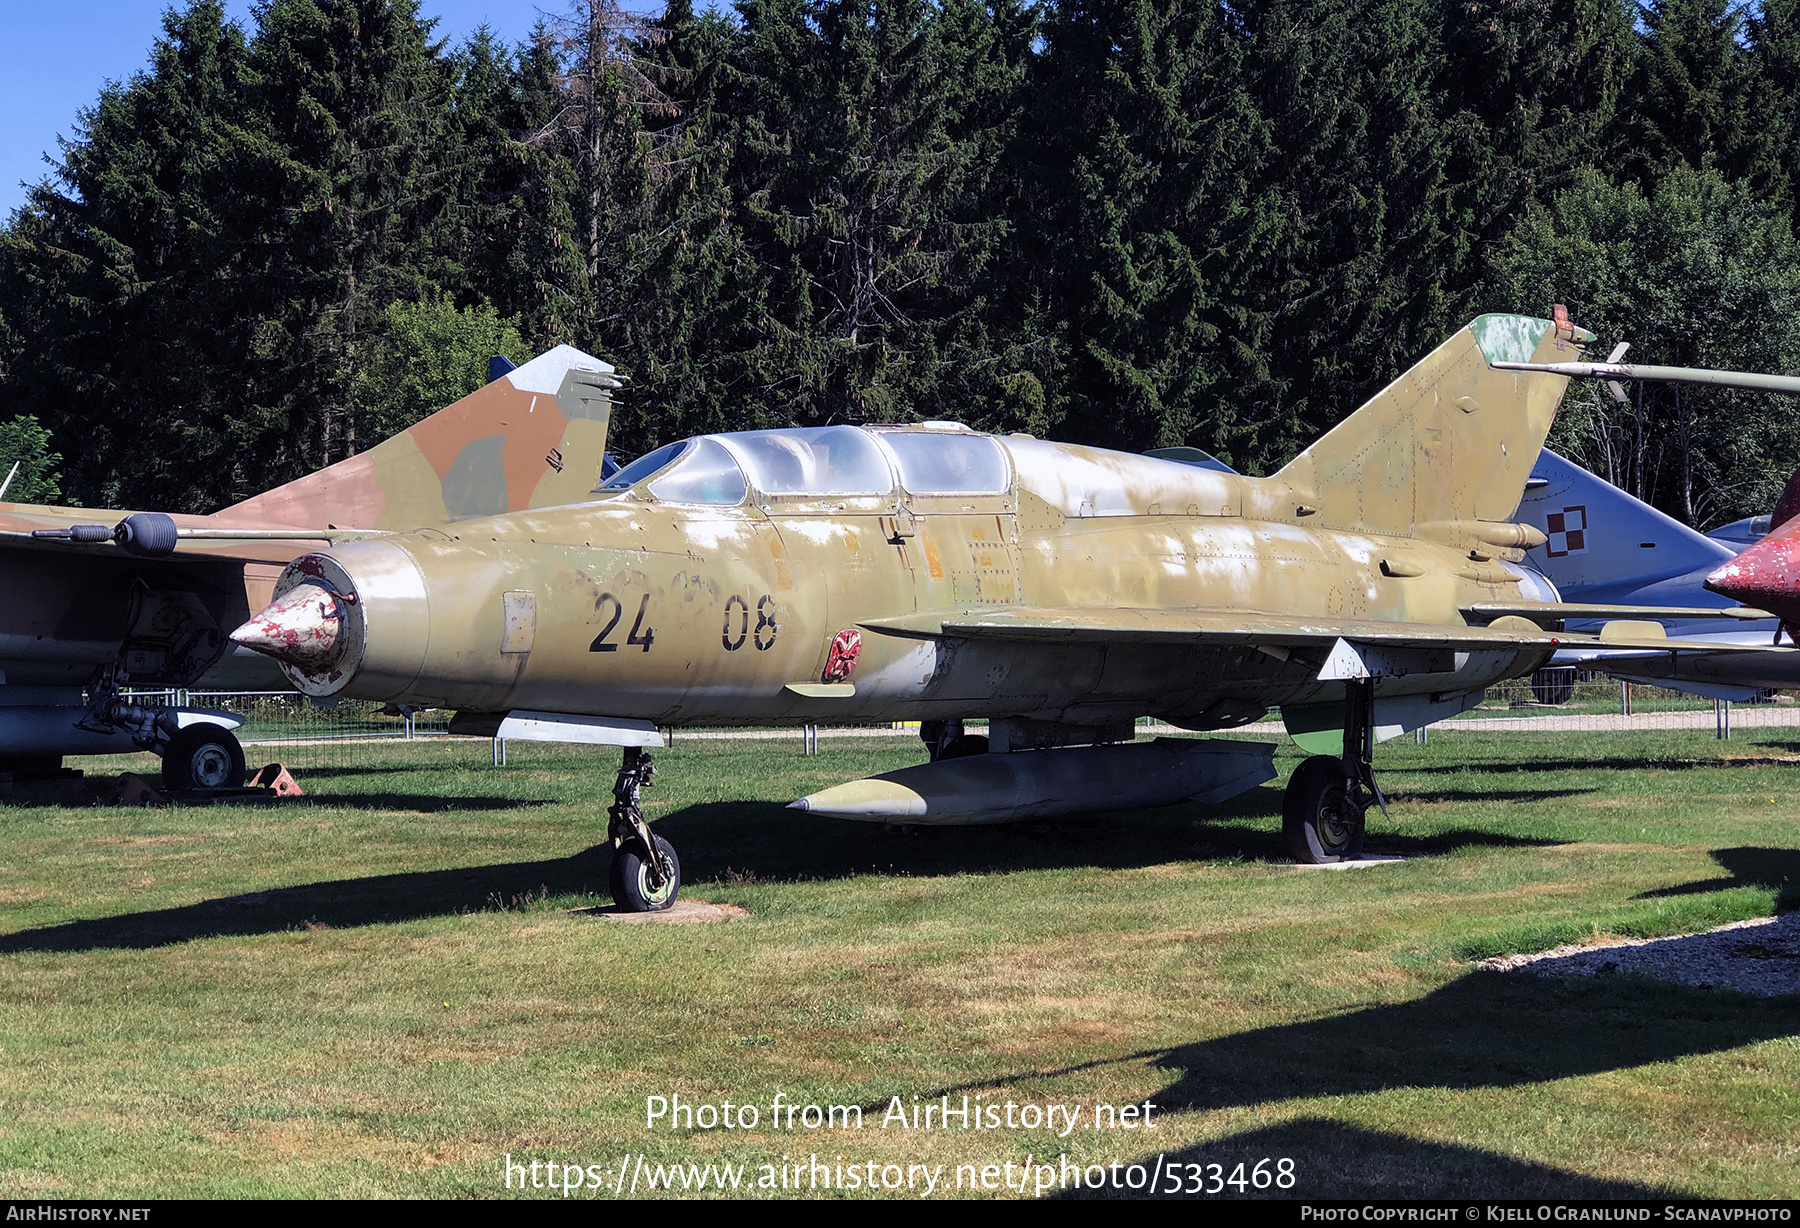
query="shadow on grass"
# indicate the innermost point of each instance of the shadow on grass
(337, 904)
(304, 774)
(97, 790)
(770, 843)
(426, 803)
(741, 841)
(1497, 767)
(1484, 795)
(1485, 1030)
(1334, 1160)
(1788, 745)
(1776, 870)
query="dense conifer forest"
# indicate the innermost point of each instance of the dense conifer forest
(1126, 222)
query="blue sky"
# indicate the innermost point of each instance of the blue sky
(57, 54)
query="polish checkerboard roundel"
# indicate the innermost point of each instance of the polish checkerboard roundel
(1567, 531)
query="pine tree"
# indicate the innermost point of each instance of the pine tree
(863, 194)
(509, 201)
(1532, 94)
(1137, 111)
(353, 99)
(692, 330)
(606, 108)
(1775, 66)
(1691, 94)
(1354, 286)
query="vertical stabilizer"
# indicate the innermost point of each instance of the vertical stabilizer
(534, 437)
(1449, 443)
(1602, 545)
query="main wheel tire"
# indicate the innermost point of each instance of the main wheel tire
(1553, 684)
(1319, 820)
(203, 756)
(963, 747)
(631, 889)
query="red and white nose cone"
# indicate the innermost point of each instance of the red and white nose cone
(1766, 576)
(302, 627)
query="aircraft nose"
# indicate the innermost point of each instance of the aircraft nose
(1766, 576)
(303, 627)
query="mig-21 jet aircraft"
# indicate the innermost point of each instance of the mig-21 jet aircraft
(930, 572)
(144, 600)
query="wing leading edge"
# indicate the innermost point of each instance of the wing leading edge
(1238, 628)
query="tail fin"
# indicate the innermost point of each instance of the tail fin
(1603, 545)
(534, 437)
(1450, 442)
(1788, 506)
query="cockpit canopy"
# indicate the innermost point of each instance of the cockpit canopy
(823, 460)
(948, 462)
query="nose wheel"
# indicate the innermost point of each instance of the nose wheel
(646, 874)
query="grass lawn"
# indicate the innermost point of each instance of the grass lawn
(391, 985)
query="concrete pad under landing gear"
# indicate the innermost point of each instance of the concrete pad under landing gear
(681, 912)
(1361, 863)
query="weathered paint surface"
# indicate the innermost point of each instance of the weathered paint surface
(684, 614)
(1766, 577)
(1005, 788)
(532, 438)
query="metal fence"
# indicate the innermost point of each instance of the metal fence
(286, 727)
(290, 728)
(1565, 700)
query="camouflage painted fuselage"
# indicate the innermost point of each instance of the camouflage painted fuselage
(632, 607)
(687, 616)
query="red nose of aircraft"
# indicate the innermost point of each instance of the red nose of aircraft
(1766, 576)
(302, 627)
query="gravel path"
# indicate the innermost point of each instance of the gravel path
(1759, 957)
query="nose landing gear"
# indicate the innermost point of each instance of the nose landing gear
(646, 875)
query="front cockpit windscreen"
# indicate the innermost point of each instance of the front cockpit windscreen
(820, 460)
(948, 462)
(641, 468)
(706, 473)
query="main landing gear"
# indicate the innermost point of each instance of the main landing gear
(196, 754)
(1322, 812)
(645, 872)
(203, 756)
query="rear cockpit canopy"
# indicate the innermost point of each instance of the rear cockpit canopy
(935, 461)
(802, 462)
(820, 460)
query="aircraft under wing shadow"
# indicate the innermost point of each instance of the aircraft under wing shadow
(98, 601)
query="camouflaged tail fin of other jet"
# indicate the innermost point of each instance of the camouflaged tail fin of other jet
(533, 437)
(1445, 450)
